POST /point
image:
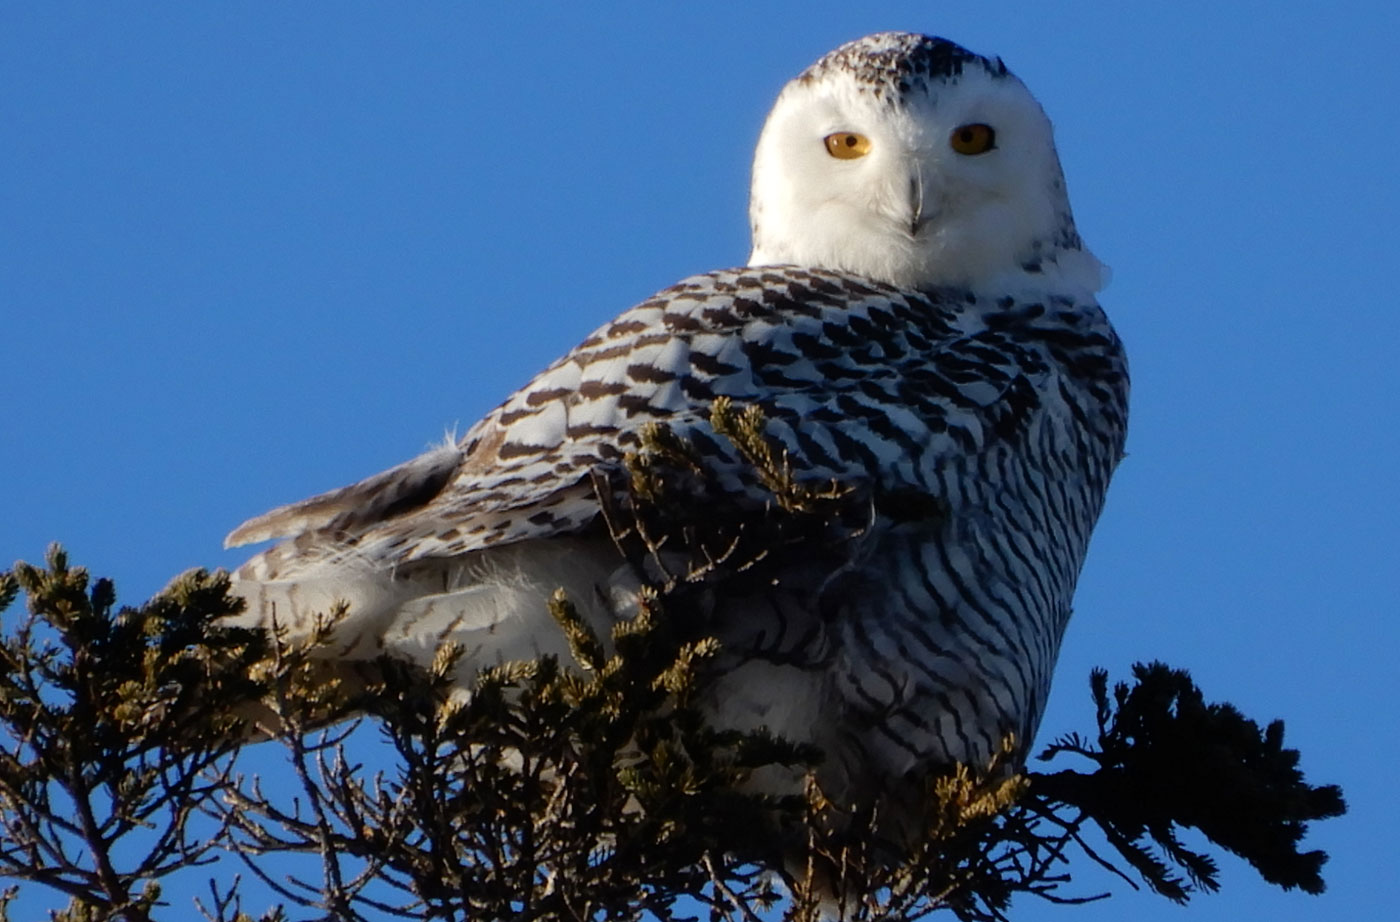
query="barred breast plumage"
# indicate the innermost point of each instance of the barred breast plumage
(954, 365)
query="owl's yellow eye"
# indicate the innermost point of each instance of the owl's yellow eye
(973, 139)
(847, 145)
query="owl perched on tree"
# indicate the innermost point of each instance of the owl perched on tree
(917, 321)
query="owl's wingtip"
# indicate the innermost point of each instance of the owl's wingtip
(250, 532)
(281, 522)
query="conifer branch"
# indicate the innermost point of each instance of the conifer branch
(585, 789)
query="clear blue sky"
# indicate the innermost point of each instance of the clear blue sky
(253, 251)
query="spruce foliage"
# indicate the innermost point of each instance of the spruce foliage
(590, 789)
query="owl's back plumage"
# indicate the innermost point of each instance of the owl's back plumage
(999, 395)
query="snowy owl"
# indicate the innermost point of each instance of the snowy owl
(917, 319)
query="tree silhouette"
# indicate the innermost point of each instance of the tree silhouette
(591, 789)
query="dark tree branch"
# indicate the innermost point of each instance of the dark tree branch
(591, 789)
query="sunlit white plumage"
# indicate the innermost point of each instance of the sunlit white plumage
(914, 212)
(916, 320)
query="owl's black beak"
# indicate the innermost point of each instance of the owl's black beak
(916, 202)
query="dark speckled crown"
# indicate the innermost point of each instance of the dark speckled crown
(893, 63)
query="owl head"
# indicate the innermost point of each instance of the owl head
(913, 161)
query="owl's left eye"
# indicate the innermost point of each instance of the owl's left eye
(847, 145)
(973, 139)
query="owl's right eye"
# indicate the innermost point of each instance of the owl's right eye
(847, 145)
